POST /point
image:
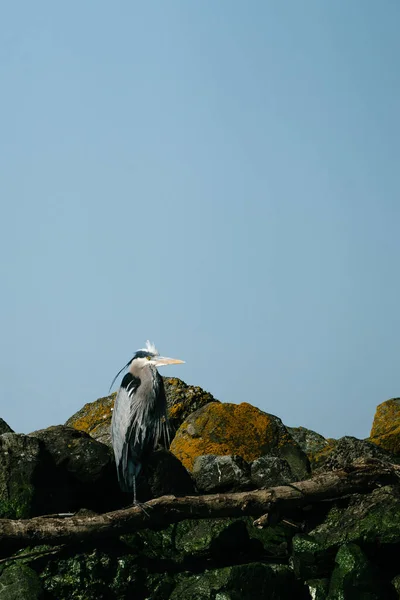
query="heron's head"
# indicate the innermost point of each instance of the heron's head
(150, 356)
(146, 357)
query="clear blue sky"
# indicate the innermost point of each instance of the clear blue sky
(219, 177)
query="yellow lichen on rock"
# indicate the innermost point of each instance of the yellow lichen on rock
(385, 430)
(231, 429)
(95, 418)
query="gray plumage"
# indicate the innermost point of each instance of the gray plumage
(139, 419)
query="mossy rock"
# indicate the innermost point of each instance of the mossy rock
(237, 429)
(222, 540)
(93, 575)
(253, 581)
(26, 476)
(371, 521)
(385, 430)
(20, 582)
(355, 578)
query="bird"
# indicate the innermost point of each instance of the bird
(139, 417)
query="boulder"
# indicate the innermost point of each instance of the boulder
(385, 430)
(355, 577)
(4, 427)
(163, 474)
(19, 582)
(86, 469)
(316, 447)
(183, 400)
(348, 449)
(253, 581)
(95, 418)
(27, 476)
(269, 471)
(371, 521)
(94, 575)
(214, 474)
(237, 429)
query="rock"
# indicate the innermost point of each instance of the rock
(355, 577)
(269, 471)
(348, 449)
(19, 582)
(237, 429)
(95, 418)
(213, 474)
(318, 588)
(371, 521)
(4, 427)
(86, 469)
(316, 447)
(26, 477)
(253, 581)
(221, 540)
(396, 584)
(92, 576)
(385, 430)
(164, 474)
(183, 400)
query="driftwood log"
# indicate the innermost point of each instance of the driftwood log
(268, 505)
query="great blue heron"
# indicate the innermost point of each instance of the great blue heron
(139, 418)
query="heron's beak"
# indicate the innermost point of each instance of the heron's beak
(163, 360)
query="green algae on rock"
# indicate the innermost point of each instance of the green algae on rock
(252, 581)
(355, 578)
(20, 582)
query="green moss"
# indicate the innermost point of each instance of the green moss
(354, 577)
(19, 582)
(20, 503)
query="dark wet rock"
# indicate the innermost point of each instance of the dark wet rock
(385, 430)
(318, 588)
(371, 521)
(269, 471)
(348, 449)
(253, 581)
(214, 474)
(92, 576)
(27, 475)
(164, 474)
(354, 577)
(316, 447)
(95, 418)
(4, 427)
(309, 441)
(396, 585)
(237, 430)
(86, 469)
(19, 582)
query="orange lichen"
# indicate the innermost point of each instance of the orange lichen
(225, 429)
(385, 430)
(93, 415)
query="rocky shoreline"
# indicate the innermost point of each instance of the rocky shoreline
(342, 546)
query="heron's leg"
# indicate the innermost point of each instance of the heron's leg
(135, 502)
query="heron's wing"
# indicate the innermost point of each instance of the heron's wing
(128, 465)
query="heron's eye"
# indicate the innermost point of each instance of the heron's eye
(148, 357)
